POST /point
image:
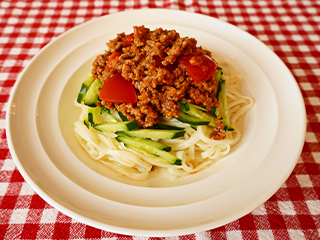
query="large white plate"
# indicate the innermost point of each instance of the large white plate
(41, 140)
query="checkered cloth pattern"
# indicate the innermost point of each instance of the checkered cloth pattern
(290, 28)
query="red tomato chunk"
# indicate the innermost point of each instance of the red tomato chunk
(199, 67)
(117, 90)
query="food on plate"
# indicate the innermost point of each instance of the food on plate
(155, 99)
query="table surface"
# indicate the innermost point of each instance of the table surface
(290, 28)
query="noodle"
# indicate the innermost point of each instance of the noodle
(196, 149)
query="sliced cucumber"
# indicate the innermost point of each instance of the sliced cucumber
(122, 137)
(171, 160)
(214, 112)
(186, 106)
(218, 73)
(148, 149)
(219, 85)
(107, 115)
(117, 126)
(191, 120)
(92, 97)
(156, 133)
(123, 117)
(194, 111)
(165, 126)
(225, 107)
(219, 77)
(222, 98)
(94, 115)
(84, 88)
(86, 122)
(194, 127)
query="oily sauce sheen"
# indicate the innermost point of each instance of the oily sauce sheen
(149, 60)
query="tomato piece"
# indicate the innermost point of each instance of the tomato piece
(158, 63)
(110, 63)
(118, 90)
(128, 40)
(199, 67)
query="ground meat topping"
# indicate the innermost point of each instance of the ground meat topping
(218, 133)
(159, 86)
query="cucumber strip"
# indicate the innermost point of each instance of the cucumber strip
(213, 112)
(116, 126)
(218, 73)
(84, 88)
(123, 117)
(104, 109)
(122, 137)
(176, 161)
(148, 148)
(194, 127)
(187, 104)
(92, 97)
(219, 85)
(107, 116)
(191, 120)
(171, 160)
(94, 115)
(194, 111)
(225, 107)
(86, 122)
(115, 113)
(184, 105)
(165, 127)
(156, 133)
(219, 77)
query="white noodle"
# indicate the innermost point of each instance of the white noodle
(196, 149)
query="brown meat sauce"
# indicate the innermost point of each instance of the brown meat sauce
(158, 89)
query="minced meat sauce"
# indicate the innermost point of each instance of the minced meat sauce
(149, 60)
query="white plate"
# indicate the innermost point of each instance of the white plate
(42, 143)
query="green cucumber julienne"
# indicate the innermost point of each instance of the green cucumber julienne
(219, 77)
(195, 111)
(148, 149)
(165, 127)
(165, 157)
(185, 105)
(91, 98)
(156, 133)
(224, 106)
(93, 115)
(116, 126)
(123, 137)
(84, 88)
(107, 115)
(191, 120)
(218, 73)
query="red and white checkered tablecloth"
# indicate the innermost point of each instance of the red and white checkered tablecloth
(290, 28)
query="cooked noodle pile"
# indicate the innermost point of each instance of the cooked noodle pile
(196, 149)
